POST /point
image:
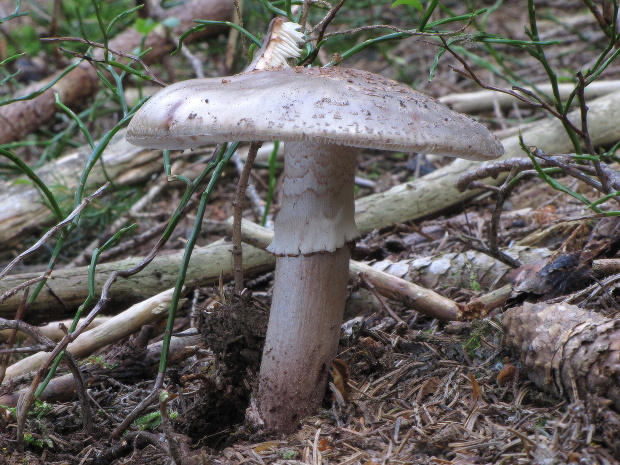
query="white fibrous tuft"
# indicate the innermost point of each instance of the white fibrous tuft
(292, 36)
(282, 45)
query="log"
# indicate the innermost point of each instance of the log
(20, 118)
(474, 102)
(67, 288)
(119, 327)
(464, 269)
(566, 350)
(22, 209)
(435, 192)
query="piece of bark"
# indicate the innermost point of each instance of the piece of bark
(62, 388)
(567, 350)
(484, 100)
(466, 270)
(413, 296)
(22, 206)
(435, 192)
(67, 289)
(118, 327)
(20, 118)
(566, 273)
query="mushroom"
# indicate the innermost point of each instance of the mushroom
(324, 116)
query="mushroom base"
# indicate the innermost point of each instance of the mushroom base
(302, 337)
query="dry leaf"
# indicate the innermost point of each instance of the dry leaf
(324, 445)
(265, 446)
(340, 373)
(369, 342)
(476, 392)
(506, 374)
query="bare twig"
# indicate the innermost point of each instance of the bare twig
(21, 311)
(322, 26)
(409, 32)
(30, 282)
(238, 213)
(252, 193)
(384, 304)
(103, 60)
(533, 99)
(173, 445)
(80, 387)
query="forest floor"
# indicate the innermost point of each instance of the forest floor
(410, 389)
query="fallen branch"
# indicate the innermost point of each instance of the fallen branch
(62, 388)
(119, 327)
(22, 208)
(67, 289)
(52, 330)
(485, 100)
(32, 249)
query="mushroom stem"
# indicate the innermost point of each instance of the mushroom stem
(311, 234)
(302, 336)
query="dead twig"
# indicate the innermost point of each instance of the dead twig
(21, 311)
(533, 100)
(364, 278)
(104, 60)
(238, 214)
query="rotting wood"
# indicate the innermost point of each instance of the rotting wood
(20, 118)
(68, 288)
(435, 192)
(466, 270)
(567, 350)
(118, 327)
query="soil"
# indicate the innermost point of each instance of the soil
(414, 391)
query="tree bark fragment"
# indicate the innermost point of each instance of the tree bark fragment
(68, 288)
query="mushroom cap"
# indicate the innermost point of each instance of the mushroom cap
(335, 105)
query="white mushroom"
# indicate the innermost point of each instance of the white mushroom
(325, 116)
